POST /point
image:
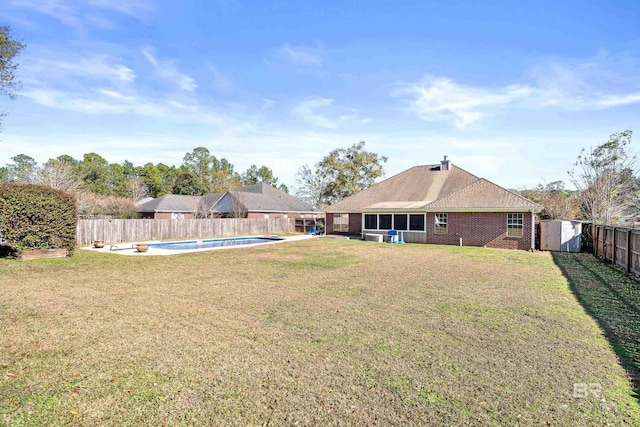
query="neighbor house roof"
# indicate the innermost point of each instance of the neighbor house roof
(431, 187)
(211, 200)
(262, 197)
(256, 198)
(171, 203)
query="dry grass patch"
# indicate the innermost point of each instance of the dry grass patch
(315, 332)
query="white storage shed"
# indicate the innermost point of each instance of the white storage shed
(560, 235)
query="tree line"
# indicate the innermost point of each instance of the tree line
(112, 188)
(104, 188)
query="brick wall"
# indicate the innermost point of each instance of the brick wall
(355, 224)
(480, 229)
(475, 228)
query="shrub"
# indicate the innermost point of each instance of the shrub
(96, 205)
(37, 217)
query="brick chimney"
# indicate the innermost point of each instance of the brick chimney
(444, 164)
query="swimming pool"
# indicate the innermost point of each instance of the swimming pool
(213, 243)
(186, 246)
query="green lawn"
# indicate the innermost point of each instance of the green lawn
(316, 332)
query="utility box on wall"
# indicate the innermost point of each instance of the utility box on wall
(560, 235)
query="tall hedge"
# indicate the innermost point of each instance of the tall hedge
(37, 217)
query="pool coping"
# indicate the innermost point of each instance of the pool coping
(128, 248)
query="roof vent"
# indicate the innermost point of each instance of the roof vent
(444, 164)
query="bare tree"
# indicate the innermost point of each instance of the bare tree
(311, 186)
(60, 175)
(559, 205)
(605, 179)
(97, 205)
(137, 188)
(202, 208)
(238, 204)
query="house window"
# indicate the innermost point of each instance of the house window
(341, 223)
(371, 221)
(416, 222)
(385, 222)
(440, 223)
(399, 222)
(177, 215)
(515, 225)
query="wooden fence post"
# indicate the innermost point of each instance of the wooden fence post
(614, 248)
(629, 255)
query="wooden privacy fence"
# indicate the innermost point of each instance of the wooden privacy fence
(134, 230)
(618, 245)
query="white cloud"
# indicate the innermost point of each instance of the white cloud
(137, 8)
(616, 100)
(588, 85)
(604, 81)
(76, 13)
(267, 103)
(306, 111)
(107, 101)
(166, 70)
(63, 10)
(99, 67)
(299, 55)
(436, 99)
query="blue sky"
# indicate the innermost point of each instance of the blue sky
(510, 91)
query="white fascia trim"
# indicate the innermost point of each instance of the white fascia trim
(394, 211)
(445, 210)
(284, 212)
(483, 210)
(355, 212)
(438, 210)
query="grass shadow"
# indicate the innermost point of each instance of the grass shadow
(7, 252)
(612, 298)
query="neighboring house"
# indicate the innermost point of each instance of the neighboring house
(260, 201)
(169, 206)
(252, 201)
(439, 204)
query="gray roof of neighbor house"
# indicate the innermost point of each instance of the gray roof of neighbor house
(262, 197)
(256, 198)
(432, 187)
(211, 199)
(171, 203)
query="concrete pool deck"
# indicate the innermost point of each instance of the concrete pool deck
(129, 248)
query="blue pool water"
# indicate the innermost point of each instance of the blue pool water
(213, 243)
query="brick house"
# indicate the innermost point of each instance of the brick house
(169, 206)
(440, 204)
(251, 201)
(259, 201)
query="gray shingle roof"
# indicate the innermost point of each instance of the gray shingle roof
(257, 198)
(262, 197)
(211, 199)
(483, 194)
(427, 187)
(171, 203)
